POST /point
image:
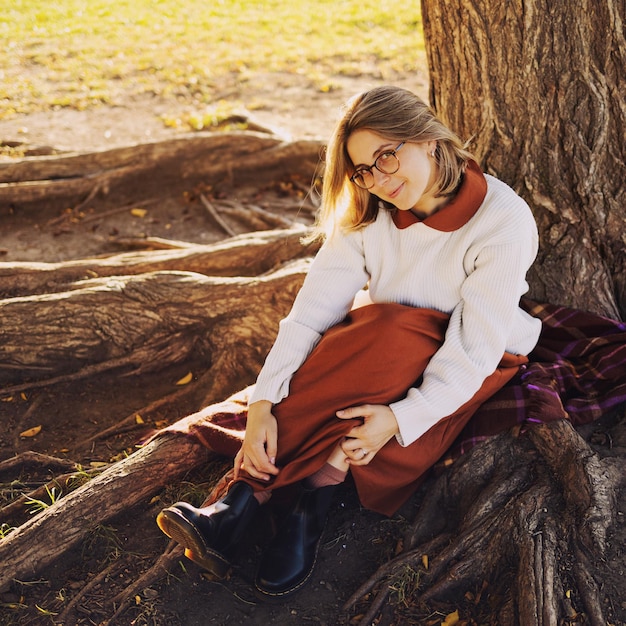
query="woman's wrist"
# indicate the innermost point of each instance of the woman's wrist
(260, 408)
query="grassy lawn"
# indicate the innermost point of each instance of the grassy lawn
(79, 53)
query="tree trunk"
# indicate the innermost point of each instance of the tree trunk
(538, 86)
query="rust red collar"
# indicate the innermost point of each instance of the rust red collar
(459, 211)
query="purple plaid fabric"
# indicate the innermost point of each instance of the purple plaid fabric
(576, 372)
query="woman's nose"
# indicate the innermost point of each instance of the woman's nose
(380, 178)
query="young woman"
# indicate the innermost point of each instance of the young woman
(380, 390)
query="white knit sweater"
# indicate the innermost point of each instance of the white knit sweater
(476, 273)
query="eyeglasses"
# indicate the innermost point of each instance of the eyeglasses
(386, 162)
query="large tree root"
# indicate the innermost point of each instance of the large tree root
(38, 542)
(245, 255)
(143, 323)
(529, 515)
(238, 157)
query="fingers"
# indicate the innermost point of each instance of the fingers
(271, 449)
(360, 456)
(356, 452)
(256, 463)
(258, 452)
(376, 426)
(238, 463)
(353, 412)
(350, 446)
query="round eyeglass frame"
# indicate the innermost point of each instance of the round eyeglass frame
(367, 170)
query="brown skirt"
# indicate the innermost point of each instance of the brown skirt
(373, 357)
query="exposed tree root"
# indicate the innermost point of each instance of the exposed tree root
(16, 508)
(162, 566)
(242, 158)
(29, 460)
(36, 543)
(246, 255)
(66, 617)
(141, 322)
(527, 514)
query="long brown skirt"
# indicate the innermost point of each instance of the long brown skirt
(373, 357)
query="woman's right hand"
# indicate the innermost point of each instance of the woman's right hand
(257, 455)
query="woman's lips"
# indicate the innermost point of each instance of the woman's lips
(396, 191)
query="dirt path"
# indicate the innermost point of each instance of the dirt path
(284, 102)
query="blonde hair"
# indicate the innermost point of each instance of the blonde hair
(397, 115)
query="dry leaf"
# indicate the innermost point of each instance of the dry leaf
(451, 619)
(23, 396)
(139, 212)
(185, 380)
(139, 419)
(425, 561)
(31, 432)
(97, 464)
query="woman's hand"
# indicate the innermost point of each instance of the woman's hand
(257, 455)
(364, 441)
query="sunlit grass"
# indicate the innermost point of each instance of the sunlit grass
(79, 53)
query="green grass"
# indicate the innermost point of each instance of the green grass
(80, 53)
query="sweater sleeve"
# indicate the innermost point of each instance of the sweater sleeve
(337, 273)
(477, 333)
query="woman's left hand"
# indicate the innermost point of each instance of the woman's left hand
(364, 441)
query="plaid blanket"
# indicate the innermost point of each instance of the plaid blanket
(576, 372)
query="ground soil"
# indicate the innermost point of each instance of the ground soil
(355, 542)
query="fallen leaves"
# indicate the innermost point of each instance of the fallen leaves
(31, 432)
(452, 619)
(185, 380)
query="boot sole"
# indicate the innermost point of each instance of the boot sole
(176, 527)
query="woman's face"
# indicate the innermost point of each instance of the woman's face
(412, 186)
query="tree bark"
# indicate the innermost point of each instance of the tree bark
(37, 543)
(145, 322)
(518, 519)
(251, 254)
(538, 86)
(124, 175)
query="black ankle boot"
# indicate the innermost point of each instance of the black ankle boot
(210, 535)
(288, 561)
